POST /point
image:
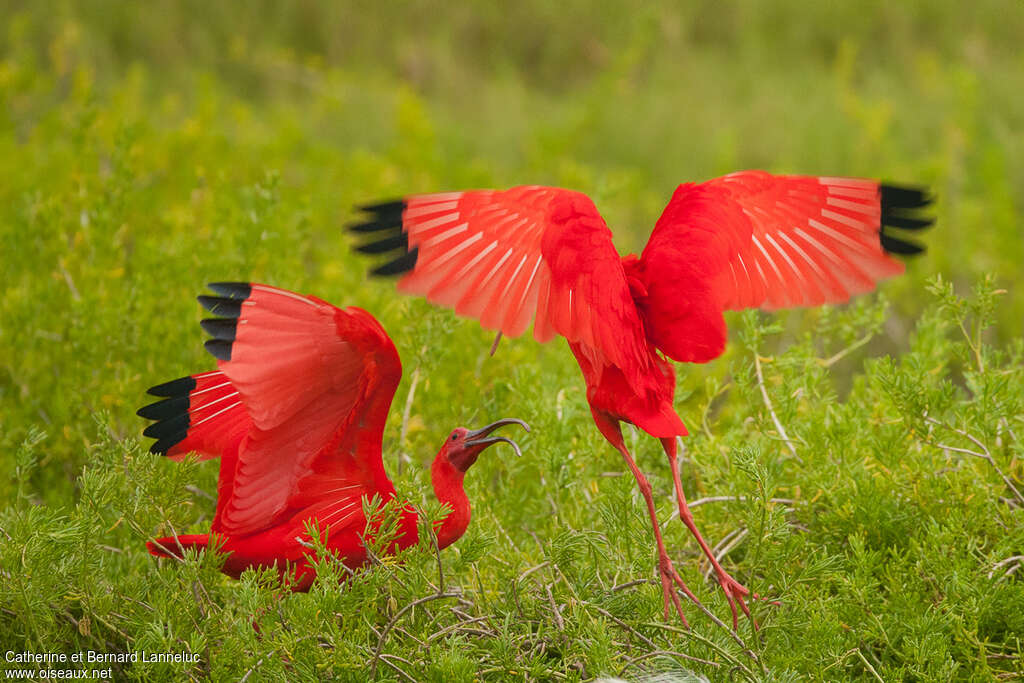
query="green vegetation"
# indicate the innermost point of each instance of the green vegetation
(148, 148)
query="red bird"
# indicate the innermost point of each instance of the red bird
(296, 413)
(544, 254)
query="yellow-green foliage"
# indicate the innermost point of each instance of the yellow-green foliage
(147, 148)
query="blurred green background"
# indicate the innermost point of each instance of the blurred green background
(147, 148)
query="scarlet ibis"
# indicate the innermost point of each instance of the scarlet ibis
(296, 412)
(544, 254)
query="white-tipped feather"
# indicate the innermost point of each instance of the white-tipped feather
(219, 412)
(203, 391)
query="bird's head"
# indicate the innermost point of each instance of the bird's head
(463, 446)
(459, 452)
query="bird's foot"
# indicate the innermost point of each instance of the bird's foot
(735, 592)
(669, 580)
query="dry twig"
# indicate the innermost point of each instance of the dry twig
(725, 546)
(985, 454)
(1014, 561)
(406, 410)
(771, 409)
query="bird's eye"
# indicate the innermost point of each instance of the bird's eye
(455, 435)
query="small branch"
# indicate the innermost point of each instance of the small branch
(1015, 563)
(199, 601)
(532, 570)
(460, 624)
(965, 451)
(199, 492)
(568, 584)
(387, 660)
(985, 454)
(1000, 655)
(480, 633)
(394, 620)
(410, 636)
(559, 622)
(629, 584)
(961, 432)
(771, 410)
(975, 346)
(829, 362)
(868, 665)
(650, 643)
(406, 410)
(727, 545)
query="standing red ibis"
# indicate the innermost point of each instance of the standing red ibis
(544, 254)
(296, 412)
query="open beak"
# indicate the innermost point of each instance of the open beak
(480, 437)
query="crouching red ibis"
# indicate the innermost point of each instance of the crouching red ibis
(544, 255)
(296, 413)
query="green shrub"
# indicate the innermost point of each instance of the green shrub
(875, 493)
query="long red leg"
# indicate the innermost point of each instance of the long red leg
(668, 573)
(734, 590)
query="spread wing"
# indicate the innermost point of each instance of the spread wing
(316, 382)
(507, 258)
(752, 239)
(773, 241)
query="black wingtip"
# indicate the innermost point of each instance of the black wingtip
(229, 306)
(900, 209)
(171, 415)
(402, 264)
(162, 446)
(232, 290)
(382, 216)
(386, 217)
(387, 206)
(219, 349)
(224, 329)
(908, 222)
(399, 241)
(222, 306)
(168, 426)
(169, 407)
(895, 245)
(182, 386)
(904, 196)
(368, 226)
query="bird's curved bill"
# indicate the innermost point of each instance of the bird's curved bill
(481, 437)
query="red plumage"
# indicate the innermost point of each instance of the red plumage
(544, 254)
(296, 412)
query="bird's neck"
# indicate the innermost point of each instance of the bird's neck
(448, 489)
